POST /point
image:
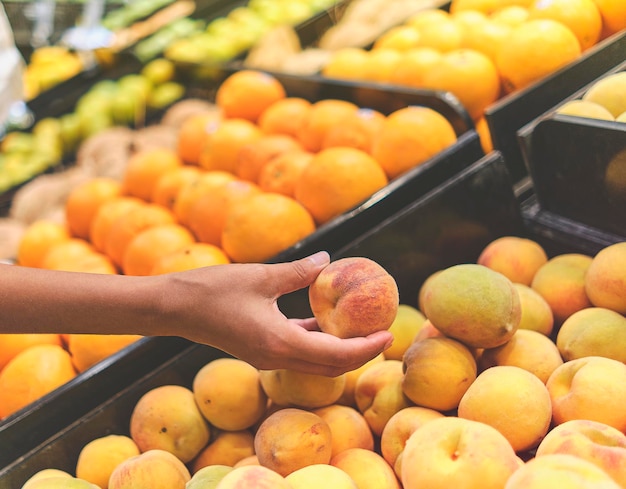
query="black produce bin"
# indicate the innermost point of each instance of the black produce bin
(448, 225)
(578, 166)
(509, 114)
(32, 425)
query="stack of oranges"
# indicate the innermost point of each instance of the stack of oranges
(482, 49)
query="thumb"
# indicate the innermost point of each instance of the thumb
(298, 274)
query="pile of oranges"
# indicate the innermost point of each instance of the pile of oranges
(249, 178)
(482, 50)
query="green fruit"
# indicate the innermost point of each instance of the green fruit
(166, 94)
(159, 71)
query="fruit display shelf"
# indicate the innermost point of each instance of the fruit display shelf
(51, 414)
(577, 167)
(449, 225)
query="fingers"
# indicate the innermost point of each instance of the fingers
(301, 273)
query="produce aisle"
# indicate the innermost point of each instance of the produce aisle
(466, 160)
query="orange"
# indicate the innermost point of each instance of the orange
(192, 133)
(399, 38)
(381, 63)
(222, 146)
(469, 75)
(356, 130)
(31, 374)
(89, 262)
(129, 225)
(144, 169)
(281, 174)
(321, 117)
(37, 239)
(107, 213)
(581, 16)
(513, 15)
(410, 137)
(205, 183)
(486, 37)
(247, 93)
(285, 116)
(89, 349)
(443, 36)
(263, 225)
(533, 50)
(336, 180)
(485, 6)
(413, 65)
(208, 213)
(346, 63)
(482, 128)
(255, 155)
(84, 200)
(169, 184)
(65, 253)
(613, 14)
(13, 344)
(151, 244)
(195, 255)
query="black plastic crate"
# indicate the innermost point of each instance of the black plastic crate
(95, 385)
(449, 225)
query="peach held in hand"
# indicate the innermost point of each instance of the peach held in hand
(354, 296)
(473, 304)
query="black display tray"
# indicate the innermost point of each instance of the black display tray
(94, 386)
(451, 224)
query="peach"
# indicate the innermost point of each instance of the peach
(251, 460)
(167, 418)
(560, 470)
(378, 394)
(595, 442)
(367, 468)
(516, 258)
(473, 304)
(287, 387)
(460, 453)
(398, 430)
(605, 282)
(226, 448)
(157, 469)
(44, 474)
(422, 291)
(208, 477)
(347, 396)
(229, 394)
(427, 330)
(527, 349)
(59, 482)
(591, 388)
(513, 401)
(292, 438)
(354, 296)
(310, 477)
(437, 372)
(536, 312)
(561, 282)
(404, 328)
(98, 458)
(348, 428)
(253, 477)
(594, 331)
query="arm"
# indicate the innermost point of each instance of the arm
(231, 307)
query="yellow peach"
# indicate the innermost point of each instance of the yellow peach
(354, 296)
(287, 387)
(253, 477)
(98, 458)
(226, 448)
(292, 438)
(157, 469)
(605, 282)
(367, 468)
(208, 477)
(591, 388)
(536, 312)
(527, 349)
(310, 477)
(560, 470)
(437, 372)
(513, 401)
(473, 304)
(167, 418)
(516, 258)
(594, 331)
(378, 394)
(229, 394)
(595, 442)
(455, 452)
(347, 396)
(404, 328)
(348, 428)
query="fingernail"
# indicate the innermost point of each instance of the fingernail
(320, 258)
(389, 343)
